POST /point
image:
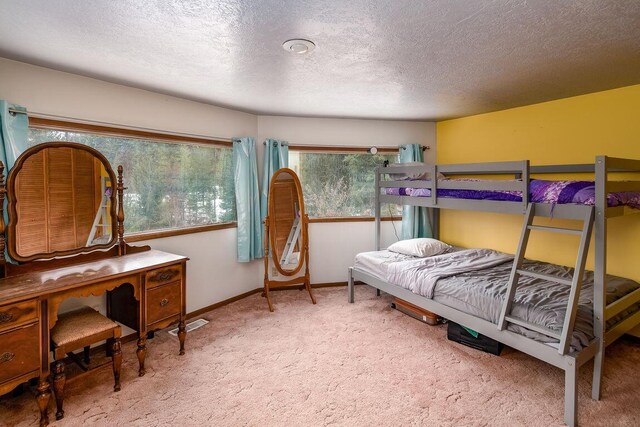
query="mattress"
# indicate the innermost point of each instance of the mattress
(541, 191)
(480, 291)
(376, 263)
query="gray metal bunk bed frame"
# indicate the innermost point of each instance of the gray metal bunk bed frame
(564, 357)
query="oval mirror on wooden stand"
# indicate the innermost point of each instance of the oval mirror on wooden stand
(286, 236)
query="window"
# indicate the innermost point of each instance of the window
(339, 184)
(170, 185)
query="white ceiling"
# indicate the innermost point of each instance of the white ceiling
(395, 59)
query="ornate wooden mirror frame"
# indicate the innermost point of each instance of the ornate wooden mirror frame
(270, 242)
(116, 212)
(304, 247)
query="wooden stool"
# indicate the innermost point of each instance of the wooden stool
(79, 329)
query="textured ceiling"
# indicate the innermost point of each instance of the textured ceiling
(395, 59)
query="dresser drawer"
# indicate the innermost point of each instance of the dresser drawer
(19, 351)
(163, 275)
(15, 314)
(164, 302)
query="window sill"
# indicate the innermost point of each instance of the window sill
(159, 234)
(354, 219)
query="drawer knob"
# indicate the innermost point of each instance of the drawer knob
(6, 357)
(6, 317)
(165, 275)
(164, 302)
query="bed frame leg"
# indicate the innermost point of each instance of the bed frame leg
(377, 292)
(571, 394)
(350, 287)
(598, 363)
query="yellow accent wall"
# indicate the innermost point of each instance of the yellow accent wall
(571, 130)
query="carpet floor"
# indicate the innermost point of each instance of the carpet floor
(334, 363)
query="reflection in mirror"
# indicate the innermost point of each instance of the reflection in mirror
(63, 201)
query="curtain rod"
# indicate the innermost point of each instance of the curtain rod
(121, 126)
(13, 111)
(424, 147)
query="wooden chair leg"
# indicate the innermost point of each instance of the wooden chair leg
(141, 352)
(87, 354)
(116, 355)
(59, 378)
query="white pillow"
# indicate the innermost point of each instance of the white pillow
(423, 247)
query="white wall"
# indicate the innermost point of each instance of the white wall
(213, 273)
(349, 132)
(43, 90)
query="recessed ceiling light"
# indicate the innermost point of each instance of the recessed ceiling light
(298, 46)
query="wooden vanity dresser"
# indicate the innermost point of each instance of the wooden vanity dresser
(57, 193)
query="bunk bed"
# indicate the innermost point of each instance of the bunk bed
(509, 190)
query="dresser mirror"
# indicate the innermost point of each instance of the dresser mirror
(62, 201)
(286, 234)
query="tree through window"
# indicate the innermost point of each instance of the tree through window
(339, 184)
(169, 185)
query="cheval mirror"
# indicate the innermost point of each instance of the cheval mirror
(286, 235)
(62, 201)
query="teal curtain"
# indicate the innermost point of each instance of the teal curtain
(245, 173)
(276, 156)
(14, 139)
(14, 133)
(415, 219)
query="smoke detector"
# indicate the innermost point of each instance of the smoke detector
(299, 46)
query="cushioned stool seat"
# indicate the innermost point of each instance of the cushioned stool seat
(80, 324)
(79, 329)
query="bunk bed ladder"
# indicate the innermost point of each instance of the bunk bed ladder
(575, 282)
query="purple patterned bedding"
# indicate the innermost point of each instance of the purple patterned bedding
(542, 191)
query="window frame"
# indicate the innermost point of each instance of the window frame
(124, 132)
(328, 149)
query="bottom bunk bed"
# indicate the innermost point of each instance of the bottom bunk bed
(473, 281)
(473, 297)
(541, 309)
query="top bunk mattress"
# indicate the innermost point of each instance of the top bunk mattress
(474, 281)
(541, 191)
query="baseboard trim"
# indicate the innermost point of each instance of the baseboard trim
(228, 301)
(244, 295)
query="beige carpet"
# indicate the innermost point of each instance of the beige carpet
(335, 364)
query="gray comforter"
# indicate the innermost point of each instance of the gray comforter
(474, 281)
